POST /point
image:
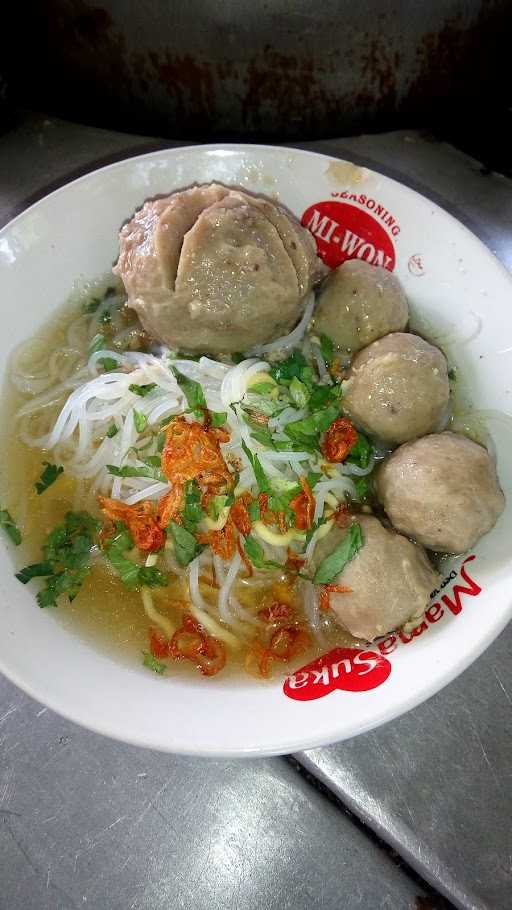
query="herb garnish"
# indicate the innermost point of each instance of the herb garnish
(10, 527)
(335, 562)
(152, 663)
(261, 478)
(140, 420)
(48, 476)
(327, 349)
(67, 553)
(193, 392)
(108, 363)
(186, 546)
(151, 471)
(255, 552)
(142, 390)
(132, 575)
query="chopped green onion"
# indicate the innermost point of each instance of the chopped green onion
(67, 554)
(36, 570)
(140, 420)
(284, 371)
(112, 431)
(362, 486)
(327, 349)
(262, 388)
(254, 510)
(142, 390)
(48, 476)
(152, 663)
(299, 393)
(360, 453)
(192, 509)
(218, 418)
(313, 478)
(132, 575)
(154, 473)
(108, 363)
(10, 527)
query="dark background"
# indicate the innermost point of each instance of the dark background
(280, 70)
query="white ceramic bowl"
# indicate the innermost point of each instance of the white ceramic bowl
(456, 285)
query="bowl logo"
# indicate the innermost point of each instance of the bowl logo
(342, 231)
(349, 669)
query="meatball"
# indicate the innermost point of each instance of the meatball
(214, 270)
(442, 490)
(359, 303)
(397, 388)
(390, 580)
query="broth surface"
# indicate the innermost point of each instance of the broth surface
(104, 612)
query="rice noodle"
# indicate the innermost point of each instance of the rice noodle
(349, 468)
(225, 591)
(92, 402)
(293, 338)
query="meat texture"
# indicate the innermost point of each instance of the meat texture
(359, 303)
(442, 490)
(215, 270)
(390, 580)
(397, 388)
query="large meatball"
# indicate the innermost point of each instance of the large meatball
(390, 580)
(359, 303)
(442, 490)
(397, 388)
(215, 270)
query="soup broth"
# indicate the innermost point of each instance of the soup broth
(104, 612)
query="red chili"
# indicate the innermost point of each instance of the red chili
(339, 439)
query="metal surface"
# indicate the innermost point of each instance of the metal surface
(82, 825)
(283, 69)
(436, 784)
(85, 822)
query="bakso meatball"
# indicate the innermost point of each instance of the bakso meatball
(397, 388)
(359, 303)
(442, 490)
(390, 580)
(215, 270)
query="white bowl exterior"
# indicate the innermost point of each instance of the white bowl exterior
(70, 237)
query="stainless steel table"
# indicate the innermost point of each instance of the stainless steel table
(420, 810)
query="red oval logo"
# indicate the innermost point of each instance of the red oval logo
(349, 669)
(343, 231)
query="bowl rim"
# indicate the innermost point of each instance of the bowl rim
(296, 742)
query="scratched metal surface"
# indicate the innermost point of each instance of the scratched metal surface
(435, 784)
(86, 822)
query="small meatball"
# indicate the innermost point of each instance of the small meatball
(442, 490)
(397, 388)
(215, 270)
(390, 580)
(359, 303)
